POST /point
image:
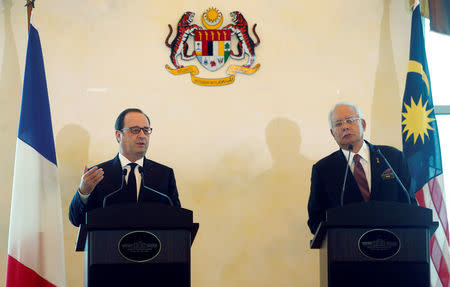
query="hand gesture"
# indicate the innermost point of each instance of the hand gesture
(90, 179)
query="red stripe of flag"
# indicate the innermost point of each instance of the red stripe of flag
(19, 275)
(437, 257)
(439, 206)
(439, 261)
(443, 273)
(420, 197)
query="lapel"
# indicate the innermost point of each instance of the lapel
(148, 179)
(115, 173)
(376, 168)
(341, 165)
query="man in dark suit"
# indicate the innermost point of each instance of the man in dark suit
(369, 177)
(108, 184)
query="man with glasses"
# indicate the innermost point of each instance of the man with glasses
(143, 181)
(369, 177)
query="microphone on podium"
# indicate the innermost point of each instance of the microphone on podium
(395, 175)
(141, 171)
(350, 148)
(124, 173)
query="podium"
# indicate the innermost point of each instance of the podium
(137, 245)
(375, 244)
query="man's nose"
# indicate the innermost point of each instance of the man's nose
(345, 125)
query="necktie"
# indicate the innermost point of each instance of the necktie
(131, 184)
(360, 178)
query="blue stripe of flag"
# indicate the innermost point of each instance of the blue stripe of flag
(35, 123)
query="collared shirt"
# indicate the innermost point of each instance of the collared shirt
(124, 163)
(140, 163)
(364, 153)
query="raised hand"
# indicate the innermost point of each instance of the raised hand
(90, 179)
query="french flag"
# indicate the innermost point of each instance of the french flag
(36, 243)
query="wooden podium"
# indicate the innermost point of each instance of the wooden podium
(137, 245)
(375, 244)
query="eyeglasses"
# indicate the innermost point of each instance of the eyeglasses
(348, 121)
(137, 130)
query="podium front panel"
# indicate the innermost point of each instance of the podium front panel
(104, 244)
(343, 245)
(107, 266)
(343, 263)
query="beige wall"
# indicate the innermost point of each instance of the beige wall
(242, 153)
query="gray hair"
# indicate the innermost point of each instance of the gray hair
(354, 107)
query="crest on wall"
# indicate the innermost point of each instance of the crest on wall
(212, 47)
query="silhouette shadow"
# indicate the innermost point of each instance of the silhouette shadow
(386, 105)
(72, 147)
(273, 233)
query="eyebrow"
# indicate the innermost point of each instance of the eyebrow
(348, 117)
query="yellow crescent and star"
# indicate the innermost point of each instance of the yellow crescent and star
(417, 120)
(212, 19)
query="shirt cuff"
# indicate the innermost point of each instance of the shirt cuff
(83, 197)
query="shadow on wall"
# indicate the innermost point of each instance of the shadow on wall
(10, 94)
(386, 105)
(253, 228)
(72, 147)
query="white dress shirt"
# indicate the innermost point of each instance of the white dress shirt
(364, 153)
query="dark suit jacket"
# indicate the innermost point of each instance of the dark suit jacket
(327, 179)
(156, 176)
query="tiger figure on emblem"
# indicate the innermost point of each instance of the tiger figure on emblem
(246, 46)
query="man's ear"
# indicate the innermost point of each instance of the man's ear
(118, 136)
(363, 123)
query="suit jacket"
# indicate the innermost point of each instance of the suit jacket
(328, 174)
(156, 176)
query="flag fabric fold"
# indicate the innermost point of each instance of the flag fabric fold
(36, 243)
(422, 150)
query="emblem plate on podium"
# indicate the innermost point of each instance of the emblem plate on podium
(139, 246)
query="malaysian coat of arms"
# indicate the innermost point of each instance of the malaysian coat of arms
(212, 46)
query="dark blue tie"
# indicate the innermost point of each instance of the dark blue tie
(131, 185)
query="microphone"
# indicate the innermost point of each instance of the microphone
(141, 171)
(350, 148)
(124, 173)
(395, 175)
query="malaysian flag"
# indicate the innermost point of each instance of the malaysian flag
(422, 150)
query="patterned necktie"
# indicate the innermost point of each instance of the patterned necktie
(360, 177)
(131, 184)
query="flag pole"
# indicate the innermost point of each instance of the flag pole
(30, 6)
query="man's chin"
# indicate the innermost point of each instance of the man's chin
(141, 152)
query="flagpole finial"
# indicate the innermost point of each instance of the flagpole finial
(413, 4)
(30, 2)
(30, 6)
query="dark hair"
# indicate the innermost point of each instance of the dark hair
(121, 117)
